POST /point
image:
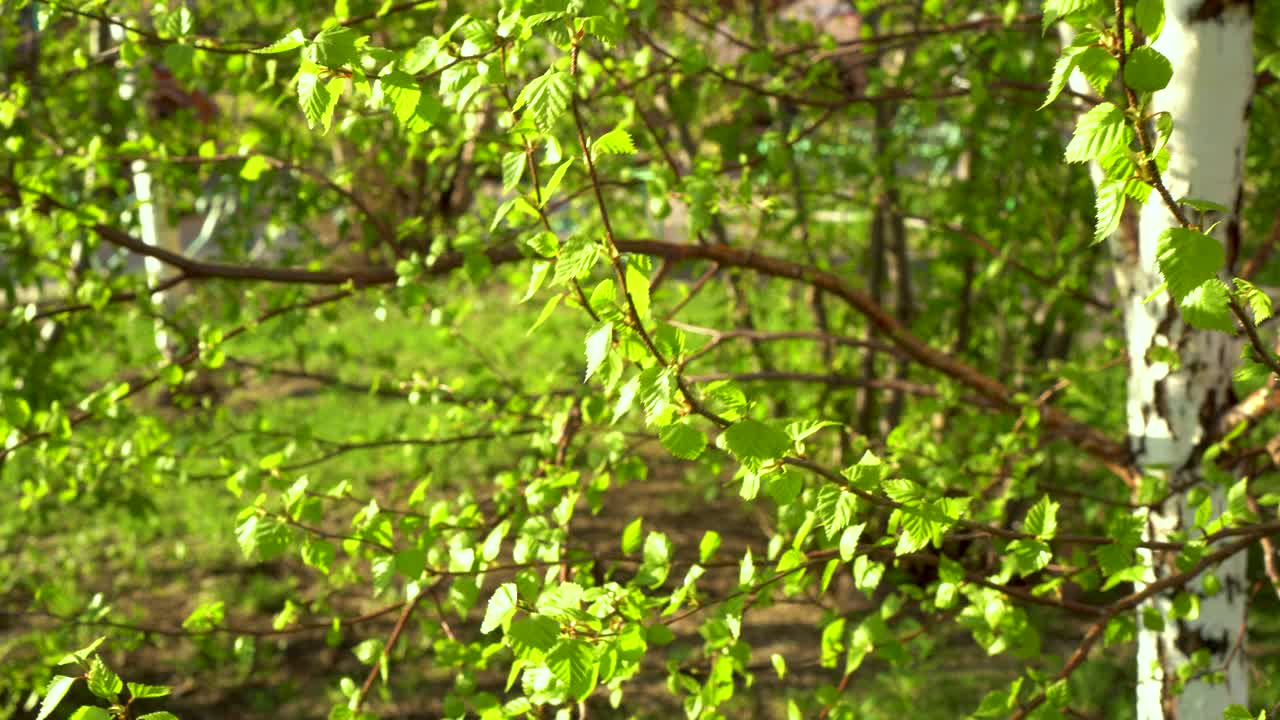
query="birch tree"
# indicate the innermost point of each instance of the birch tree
(658, 358)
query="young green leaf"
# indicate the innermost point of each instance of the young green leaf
(512, 169)
(573, 662)
(53, 694)
(1042, 519)
(1149, 14)
(531, 637)
(1062, 70)
(501, 608)
(318, 98)
(1098, 67)
(554, 183)
(141, 690)
(849, 541)
(752, 439)
(835, 509)
(295, 39)
(1259, 302)
(708, 545)
(657, 387)
(334, 47)
(1207, 306)
(1147, 70)
(547, 97)
(1057, 9)
(598, 344)
(614, 142)
(103, 681)
(577, 257)
(632, 534)
(683, 440)
(1110, 209)
(1098, 132)
(638, 288)
(1187, 258)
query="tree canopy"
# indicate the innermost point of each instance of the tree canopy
(643, 358)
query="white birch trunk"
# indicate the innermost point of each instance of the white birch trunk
(1172, 413)
(152, 218)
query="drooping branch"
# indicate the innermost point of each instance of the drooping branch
(1093, 441)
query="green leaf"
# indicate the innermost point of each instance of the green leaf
(1098, 67)
(1057, 9)
(1187, 259)
(53, 694)
(1259, 302)
(554, 183)
(779, 665)
(161, 715)
(319, 554)
(614, 142)
(403, 92)
(709, 544)
(1062, 70)
(631, 536)
(599, 343)
(1208, 307)
(263, 538)
(1028, 556)
(318, 98)
(577, 257)
(656, 387)
(334, 47)
(638, 288)
(849, 541)
(573, 662)
(1042, 519)
(547, 309)
(512, 169)
(90, 712)
(747, 569)
(1240, 712)
(140, 690)
(544, 243)
(1205, 206)
(411, 562)
(683, 440)
(1147, 70)
(295, 39)
(103, 681)
(657, 560)
(1110, 209)
(754, 440)
(83, 654)
(1149, 14)
(801, 430)
(253, 168)
(1098, 132)
(501, 608)
(835, 509)
(531, 637)
(547, 97)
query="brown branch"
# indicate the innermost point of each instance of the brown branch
(403, 620)
(1089, 439)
